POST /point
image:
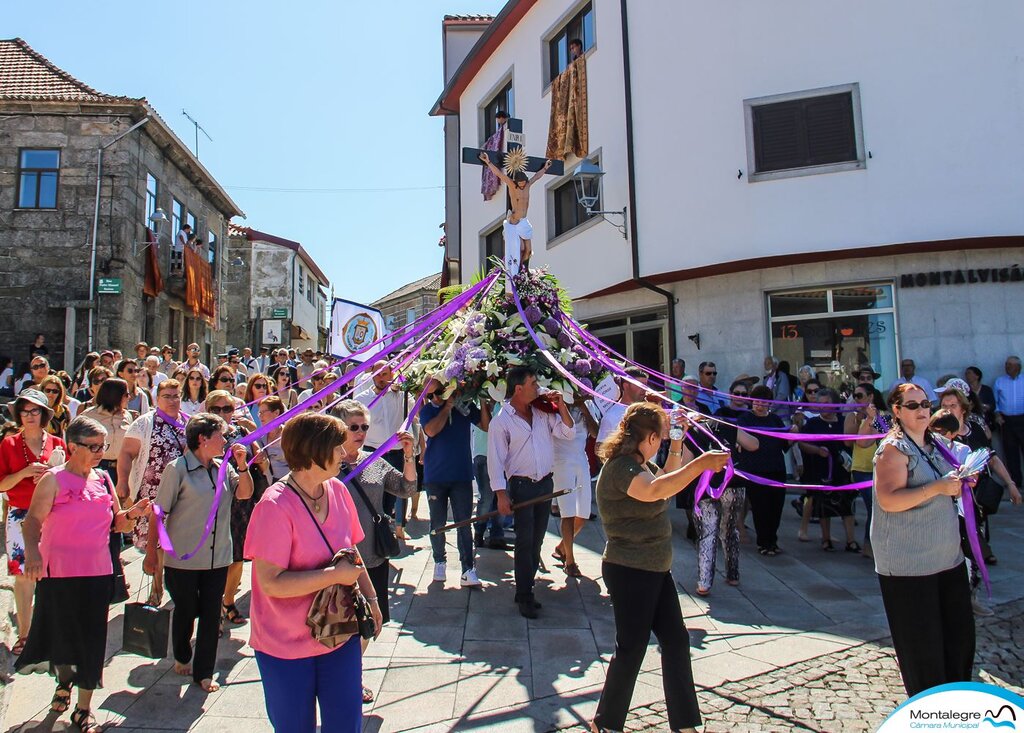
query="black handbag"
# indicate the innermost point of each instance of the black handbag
(120, 593)
(385, 542)
(146, 629)
(988, 494)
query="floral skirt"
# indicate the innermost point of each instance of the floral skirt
(15, 541)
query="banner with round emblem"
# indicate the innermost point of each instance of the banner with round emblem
(353, 327)
(958, 706)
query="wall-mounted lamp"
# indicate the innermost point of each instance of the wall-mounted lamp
(695, 338)
(587, 180)
(158, 222)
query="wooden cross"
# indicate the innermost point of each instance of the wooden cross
(514, 138)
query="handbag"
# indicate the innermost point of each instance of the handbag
(338, 611)
(988, 494)
(385, 542)
(120, 593)
(146, 629)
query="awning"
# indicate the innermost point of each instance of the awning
(298, 332)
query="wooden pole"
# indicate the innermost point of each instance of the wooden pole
(489, 515)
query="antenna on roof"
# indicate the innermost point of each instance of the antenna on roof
(198, 129)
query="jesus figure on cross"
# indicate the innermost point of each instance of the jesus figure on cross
(516, 225)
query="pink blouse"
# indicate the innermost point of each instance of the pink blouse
(75, 540)
(282, 533)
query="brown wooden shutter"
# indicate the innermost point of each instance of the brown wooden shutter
(804, 132)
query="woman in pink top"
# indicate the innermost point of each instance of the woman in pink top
(295, 531)
(67, 552)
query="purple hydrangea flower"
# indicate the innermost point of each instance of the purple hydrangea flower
(551, 326)
(582, 367)
(586, 382)
(563, 340)
(455, 370)
(533, 314)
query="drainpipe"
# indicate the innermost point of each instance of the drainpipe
(631, 178)
(96, 222)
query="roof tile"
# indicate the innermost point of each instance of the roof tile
(26, 74)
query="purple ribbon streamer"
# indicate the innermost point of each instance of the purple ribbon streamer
(426, 323)
(970, 522)
(178, 423)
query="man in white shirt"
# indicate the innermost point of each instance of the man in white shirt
(192, 361)
(177, 251)
(908, 373)
(264, 361)
(386, 418)
(629, 393)
(520, 461)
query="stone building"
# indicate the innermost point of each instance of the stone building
(57, 135)
(276, 296)
(409, 302)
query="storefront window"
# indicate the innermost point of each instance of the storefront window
(641, 337)
(846, 327)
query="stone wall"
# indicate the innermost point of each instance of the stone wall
(44, 254)
(422, 301)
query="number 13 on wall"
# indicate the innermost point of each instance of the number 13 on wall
(788, 332)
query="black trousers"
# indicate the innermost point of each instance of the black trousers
(1013, 444)
(644, 601)
(932, 626)
(766, 504)
(531, 526)
(197, 594)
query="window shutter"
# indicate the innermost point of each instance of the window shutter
(804, 132)
(829, 124)
(777, 136)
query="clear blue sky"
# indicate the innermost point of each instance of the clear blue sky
(298, 95)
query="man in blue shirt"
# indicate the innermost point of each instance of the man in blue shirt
(448, 474)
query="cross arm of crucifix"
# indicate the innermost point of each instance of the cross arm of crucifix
(486, 160)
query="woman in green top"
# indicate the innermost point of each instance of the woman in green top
(632, 498)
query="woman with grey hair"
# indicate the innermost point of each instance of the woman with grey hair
(67, 554)
(186, 494)
(368, 489)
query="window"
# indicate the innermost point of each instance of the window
(503, 101)
(152, 187)
(302, 280)
(211, 252)
(639, 337)
(804, 133)
(176, 212)
(581, 28)
(190, 219)
(835, 330)
(493, 246)
(38, 175)
(568, 213)
(310, 289)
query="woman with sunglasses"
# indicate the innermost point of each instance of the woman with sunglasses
(138, 398)
(367, 490)
(66, 553)
(257, 389)
(222, 404)
(38, 368)
(24, 457)
(915, 535)
(868, 419)
(193, 392)
(53, 388)
(282, 388)
(224, 379)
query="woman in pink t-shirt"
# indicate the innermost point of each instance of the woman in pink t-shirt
(67, 550)
(295, 531)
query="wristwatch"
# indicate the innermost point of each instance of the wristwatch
(675, 434)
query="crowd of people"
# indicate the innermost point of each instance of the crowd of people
(128, 452)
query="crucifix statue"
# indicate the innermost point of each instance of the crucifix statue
(511, 167)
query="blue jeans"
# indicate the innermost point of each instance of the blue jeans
(865, 494)
(460, 495)
(488, 501)
(293, 687)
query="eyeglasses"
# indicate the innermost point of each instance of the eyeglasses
(710, 374)
(740, 394)
(195, 379)
(224, 379)
(32, 411)
(922, 405)
(193, 350)
(131, 370)
(432, 395)
(260, 385)
(39, 366)
(812, 391)
(361, 428)
(224, 410)
(51, 391)
(859, 395)
(95, 448)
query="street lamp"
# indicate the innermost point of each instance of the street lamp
(587, 180)
(158, 220)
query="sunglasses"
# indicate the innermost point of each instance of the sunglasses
(195, 379)
(39, 366)
(226, 410)
(51, 391)
(710, 374)
(131, 370)
(812, 391)
(859, 395)
(361, 428)
(261, 385)
(740, 394)
(922, 405)
(224, 379)
(95, 448)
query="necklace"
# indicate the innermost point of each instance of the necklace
(315, 501)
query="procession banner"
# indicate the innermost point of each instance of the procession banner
(353, 327)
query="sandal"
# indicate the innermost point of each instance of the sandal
(85, 721)
(827, 546)
(703, 591)
(61, 698)
(558, 555)
(232, 614)
(367, 695)
(768, 551)
(572, 570)
(19, 646)
(852, 546)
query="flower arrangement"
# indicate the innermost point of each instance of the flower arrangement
(481, 342)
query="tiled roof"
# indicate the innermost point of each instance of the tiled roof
(468, 18)
(430, 282)
(253, 235)
(28, 75)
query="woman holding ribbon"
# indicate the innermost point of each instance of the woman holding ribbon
(632, 494)
(66, 553)
(153, 441)
(915, 536)
(296, 529)
(198, 553)
(24, 457)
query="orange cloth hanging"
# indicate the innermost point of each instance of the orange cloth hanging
(567, 131)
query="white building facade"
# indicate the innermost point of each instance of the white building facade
(829, 188)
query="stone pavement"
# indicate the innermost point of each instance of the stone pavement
(799, 645)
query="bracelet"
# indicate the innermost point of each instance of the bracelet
(676, 453)
(410, 459)
(372, 600)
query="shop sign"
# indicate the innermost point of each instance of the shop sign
(962, 277)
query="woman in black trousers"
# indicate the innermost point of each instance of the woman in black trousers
(631, 497)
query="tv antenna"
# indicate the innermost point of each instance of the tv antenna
(199, 128)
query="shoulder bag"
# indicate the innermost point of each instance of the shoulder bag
(385, 543)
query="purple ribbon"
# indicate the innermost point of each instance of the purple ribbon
(178, 422)
(970, 520)
(427, 323)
